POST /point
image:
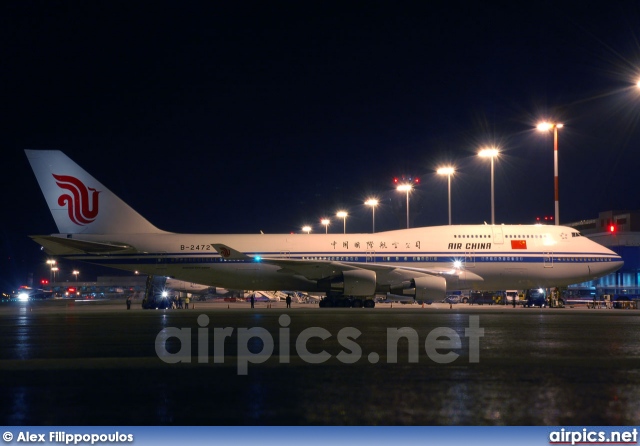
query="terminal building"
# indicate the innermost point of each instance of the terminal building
(620, 232)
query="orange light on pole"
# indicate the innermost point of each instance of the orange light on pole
(51, 264)
(545, 127)
(373, 203)
(54, 270)
(491, 153)
(325, 222)
(406, 188)
(343, 215)
(448, 171)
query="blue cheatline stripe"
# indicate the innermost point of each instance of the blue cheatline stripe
(498, 258)
(445, 254)
(298, 254)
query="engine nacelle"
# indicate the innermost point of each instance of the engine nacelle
(423, 288)
(357, 282)
(433, 288)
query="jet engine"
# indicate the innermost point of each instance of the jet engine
(357, 282)
(423, 288)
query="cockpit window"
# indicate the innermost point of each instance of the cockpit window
(576, 234)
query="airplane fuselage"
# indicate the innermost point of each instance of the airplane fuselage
(422, 263)
(503, 256)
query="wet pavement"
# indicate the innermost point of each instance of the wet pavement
(79, 363)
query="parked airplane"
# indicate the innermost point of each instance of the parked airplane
(421, 263)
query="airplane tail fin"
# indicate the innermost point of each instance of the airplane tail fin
(78, 202)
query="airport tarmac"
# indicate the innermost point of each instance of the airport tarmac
(95, 363)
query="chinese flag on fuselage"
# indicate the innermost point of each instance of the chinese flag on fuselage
(518, 244)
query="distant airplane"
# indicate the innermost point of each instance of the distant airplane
(420, 263)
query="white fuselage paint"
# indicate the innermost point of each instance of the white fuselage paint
(505, 256)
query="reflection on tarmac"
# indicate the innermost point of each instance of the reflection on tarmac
(72, 363)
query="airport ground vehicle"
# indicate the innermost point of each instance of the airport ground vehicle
(457, 297)
(535, 297)
(156, 302)
(486, 297)
(452, 299)
(511, 295)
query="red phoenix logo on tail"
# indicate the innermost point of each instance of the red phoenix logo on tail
(226, 252)
(82, 204)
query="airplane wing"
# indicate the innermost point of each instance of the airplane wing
(321, 269)
(461, 274)
(311, 269)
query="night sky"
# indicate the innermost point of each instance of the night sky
(237, 117)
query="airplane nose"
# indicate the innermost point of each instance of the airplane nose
(617, 265)
(611, 267)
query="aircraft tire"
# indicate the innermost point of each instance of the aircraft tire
(357, 303)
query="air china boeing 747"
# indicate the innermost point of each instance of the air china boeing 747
(421, 263)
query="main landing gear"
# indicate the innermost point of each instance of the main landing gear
(346, 302)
